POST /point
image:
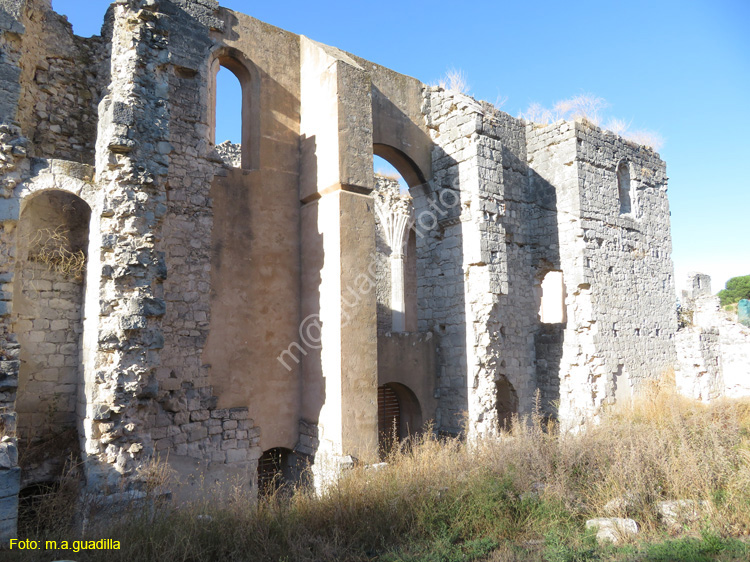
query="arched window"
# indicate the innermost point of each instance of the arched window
(623, 187)
(396, 239)
(234, 122)
(228, 126)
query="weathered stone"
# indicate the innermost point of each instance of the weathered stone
(8, 456)
(234, 291)
(10, 482)
(613, 529)
(675, 513)
(713, 349)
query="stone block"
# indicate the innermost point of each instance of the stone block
(9, 506)
(199, 415)
(238, 414)
(10, 482)
(8, 456)
(236, 455)
(675, 513)
(198, 434)
(613, 529)
(9, 209)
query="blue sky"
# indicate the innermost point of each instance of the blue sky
(680, 69)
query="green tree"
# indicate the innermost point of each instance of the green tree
(738, 288)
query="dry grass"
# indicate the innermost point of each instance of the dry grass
(455, 80)
(590, 107)
(525, 495)
(51, 247)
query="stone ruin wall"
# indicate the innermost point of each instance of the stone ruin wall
(533, 199)
(713, 348)
(190, 245)
(60, 83)
(617, 272)
(126, 418)
(470, 295)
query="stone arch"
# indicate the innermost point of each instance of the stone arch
(399, 414)
(60, 175)
(279, 469)
(624, 192)
(403, 163)
(48, 301)
(249, 78)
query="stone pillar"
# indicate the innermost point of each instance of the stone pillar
(397, 293)
(338, 329)
(396, 215)
(126, 271)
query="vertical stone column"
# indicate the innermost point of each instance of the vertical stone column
(396, 216)
(131, 166)
(338, 329)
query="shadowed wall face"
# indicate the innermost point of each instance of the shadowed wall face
(48, 299)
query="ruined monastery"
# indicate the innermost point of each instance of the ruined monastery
(247, 310)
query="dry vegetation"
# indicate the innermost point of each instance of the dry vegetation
(51, 247)
(455, 80)
(524, 496)
(591, 108)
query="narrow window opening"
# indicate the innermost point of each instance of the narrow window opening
(228, 117)
(623, 188)
(552, 301)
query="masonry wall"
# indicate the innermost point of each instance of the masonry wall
(62, 78)
(553, 179)
(203, 275)
(713, 349)
(627, 260)
(475, 278)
